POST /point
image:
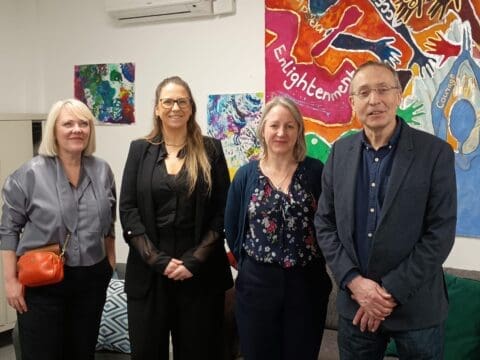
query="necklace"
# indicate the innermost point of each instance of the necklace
(175, 145)
(277, 185)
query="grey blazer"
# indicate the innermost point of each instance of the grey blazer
(415, 233)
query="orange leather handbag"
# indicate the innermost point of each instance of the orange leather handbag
(42, 266)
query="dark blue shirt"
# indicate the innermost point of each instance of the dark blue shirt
(372, 182)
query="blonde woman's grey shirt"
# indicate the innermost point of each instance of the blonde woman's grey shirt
(41, 206)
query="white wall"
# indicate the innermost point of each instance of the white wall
(219, 55)
(19, 67)
(465, 254)
(214, 55)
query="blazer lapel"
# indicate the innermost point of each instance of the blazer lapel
(145, 186)
(404, 156)
(349, 169)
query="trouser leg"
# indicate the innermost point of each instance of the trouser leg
(422, 344)
(356, 345)
(306, 299)
(149, 323)
(87, 294)
(41, 327)
(258, 310)
(197, 331)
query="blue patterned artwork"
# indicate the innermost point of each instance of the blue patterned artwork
(233, 119)
(108, 90)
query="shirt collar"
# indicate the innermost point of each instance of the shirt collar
(393, 139)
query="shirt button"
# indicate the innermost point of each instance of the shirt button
(372, 210)
(377, 159)
(372, 184)
(369, 235)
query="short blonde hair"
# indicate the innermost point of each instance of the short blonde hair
(300, 148)
(48, 146)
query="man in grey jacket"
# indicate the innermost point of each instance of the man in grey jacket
(386, 223)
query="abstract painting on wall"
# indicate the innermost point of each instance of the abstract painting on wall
(233, 119)
(108, 90)
(312, 48)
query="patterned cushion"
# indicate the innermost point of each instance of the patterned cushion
(113, 334)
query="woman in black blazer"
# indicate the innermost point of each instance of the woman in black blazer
(172, 202)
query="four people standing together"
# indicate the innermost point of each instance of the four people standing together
(381, 216)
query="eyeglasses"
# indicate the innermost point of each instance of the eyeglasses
(381, 91)
(168, 103)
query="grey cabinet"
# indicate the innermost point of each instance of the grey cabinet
(16, 147)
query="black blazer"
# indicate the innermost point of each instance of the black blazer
(137, 215)
(415, 233)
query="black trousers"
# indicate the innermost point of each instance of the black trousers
(280, 313)
(192, 316)
(63, 319)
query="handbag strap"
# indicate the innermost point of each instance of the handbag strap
(67, 238)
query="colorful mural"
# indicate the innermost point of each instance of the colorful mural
(108, 90)
(233, 119)
(312, 48)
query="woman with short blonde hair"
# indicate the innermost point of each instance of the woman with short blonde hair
(48, 146)
(65, 196)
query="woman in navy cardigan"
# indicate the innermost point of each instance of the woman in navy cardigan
(282, 286)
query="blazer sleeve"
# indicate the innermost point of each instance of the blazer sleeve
(130, 215)
(328, 240)
(438, 237)
(212, 236)
(129, 212)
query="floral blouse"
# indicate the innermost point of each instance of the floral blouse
(281, 229)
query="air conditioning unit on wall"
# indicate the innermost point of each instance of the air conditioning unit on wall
(135, 11)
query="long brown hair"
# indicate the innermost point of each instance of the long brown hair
(196, 159)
